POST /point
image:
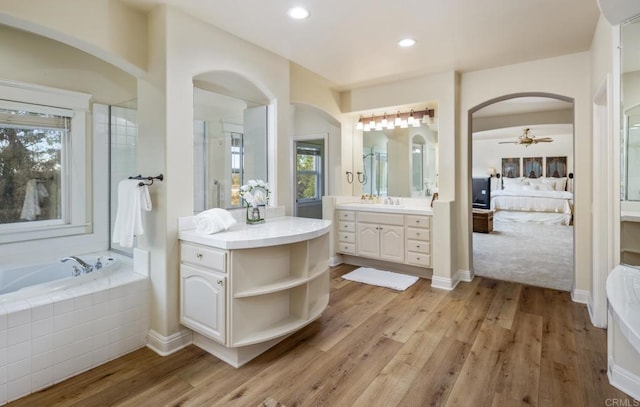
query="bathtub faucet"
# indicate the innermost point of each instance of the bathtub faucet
(84, 267)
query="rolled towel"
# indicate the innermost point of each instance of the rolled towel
(213, 221)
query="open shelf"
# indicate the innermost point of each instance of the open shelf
(318, 294)
(263, 317)
(255, 269)
(276, 286)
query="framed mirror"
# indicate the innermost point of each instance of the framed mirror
(630, 146)
(230, 139)
(399, 161)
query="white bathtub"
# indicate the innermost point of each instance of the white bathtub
(21, 278)
(54, 326)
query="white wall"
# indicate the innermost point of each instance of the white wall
(182, 47)
(107, 29)
(488, 153)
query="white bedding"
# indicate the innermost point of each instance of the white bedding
(534, 201)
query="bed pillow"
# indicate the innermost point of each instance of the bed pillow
(513, 183)
(559, 184)
(545, 186)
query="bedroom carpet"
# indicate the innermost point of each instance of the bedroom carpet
(528, 253)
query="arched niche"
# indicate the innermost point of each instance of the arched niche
(232, 134)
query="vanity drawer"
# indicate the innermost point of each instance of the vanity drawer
(419, 259)
(381, 218)
(346, 215)
(203, 256)
(346, 237)
(418, 221)
(346, 227)
(418, 246)
(418, 234)
(347, 248)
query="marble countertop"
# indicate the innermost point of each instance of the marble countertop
(275, 231)
(400, 209)
(623, 293)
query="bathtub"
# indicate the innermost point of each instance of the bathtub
(21, 278)
(54, 326)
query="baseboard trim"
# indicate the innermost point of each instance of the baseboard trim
(623, 380)
(444, 283)
(464, 275)
(335, 260)
(166, 345)
(580, 296)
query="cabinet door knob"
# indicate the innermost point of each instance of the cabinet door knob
(417, 233)
(199, 255)
(418, 246)
(418, 221)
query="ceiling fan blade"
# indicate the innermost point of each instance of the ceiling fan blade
(544, 140)
(507, 142)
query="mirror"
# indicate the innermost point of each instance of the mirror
(405, 156)
(230, 139)
(630, 145)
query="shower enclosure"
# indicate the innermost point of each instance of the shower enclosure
(374, 177)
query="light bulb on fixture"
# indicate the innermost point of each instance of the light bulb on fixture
(366, 127)
(390, 125)
(416, 123)
(372, 123)
(410, 119)
(384, 120)
(398, 120)
(360, 125)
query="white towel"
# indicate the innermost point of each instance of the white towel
(34, 193)
(132, 199)
(213, 221)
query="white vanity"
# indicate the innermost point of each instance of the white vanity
(245, 289)
(378, 234)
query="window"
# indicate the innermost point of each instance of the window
(308, 172)
(42, 162)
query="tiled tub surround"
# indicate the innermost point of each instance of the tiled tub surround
(50, 336)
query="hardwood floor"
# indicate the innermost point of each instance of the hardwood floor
(487, 343)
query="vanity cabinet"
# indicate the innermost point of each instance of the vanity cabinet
(418, 232)
(380, 236)
(393, 237)
(203, 290)
(240, 301)
(347, 231)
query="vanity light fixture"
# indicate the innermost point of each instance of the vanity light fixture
(410, 119)
(298, 13)
(414, 118)
(407, 42)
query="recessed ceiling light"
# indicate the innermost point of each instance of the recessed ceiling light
(407, 42)
(298, 13)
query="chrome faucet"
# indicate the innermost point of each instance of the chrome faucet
(83, 268)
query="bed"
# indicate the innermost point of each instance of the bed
(540, 200)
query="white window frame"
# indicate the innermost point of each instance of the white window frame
(74, 105)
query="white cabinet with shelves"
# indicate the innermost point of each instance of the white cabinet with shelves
(386, 236)
(265, 292)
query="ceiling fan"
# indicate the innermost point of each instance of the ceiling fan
(526, 139)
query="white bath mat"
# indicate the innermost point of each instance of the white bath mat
(381, 278)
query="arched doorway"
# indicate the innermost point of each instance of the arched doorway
(522, 149)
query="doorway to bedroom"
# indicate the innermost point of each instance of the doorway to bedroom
(522, 149)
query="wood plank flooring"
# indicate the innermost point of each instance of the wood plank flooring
(487, 343)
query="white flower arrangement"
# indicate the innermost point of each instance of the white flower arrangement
(255, 193)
